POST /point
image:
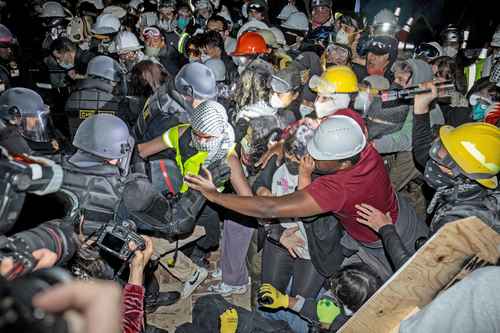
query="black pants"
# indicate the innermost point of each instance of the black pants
(278, 267)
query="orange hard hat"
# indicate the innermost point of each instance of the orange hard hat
(250, 43)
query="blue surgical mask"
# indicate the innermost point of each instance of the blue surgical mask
(182, 22)
(66, 66)
(478, 111)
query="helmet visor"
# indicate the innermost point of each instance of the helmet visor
(34, 126)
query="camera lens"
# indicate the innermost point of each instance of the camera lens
(54, 235)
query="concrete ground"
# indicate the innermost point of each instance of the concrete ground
(169, 317)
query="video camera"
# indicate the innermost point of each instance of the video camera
(114, 239)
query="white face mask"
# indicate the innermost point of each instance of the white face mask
(342, 37)
(276, 102)
(332, 105)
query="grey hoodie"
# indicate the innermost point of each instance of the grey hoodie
(401, 140)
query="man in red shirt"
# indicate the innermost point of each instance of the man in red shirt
(351, 173)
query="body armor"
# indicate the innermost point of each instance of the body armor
(92, 96)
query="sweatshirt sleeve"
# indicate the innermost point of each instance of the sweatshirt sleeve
(422, 138)
(395, 248)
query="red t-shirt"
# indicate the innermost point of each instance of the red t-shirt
(367, 182)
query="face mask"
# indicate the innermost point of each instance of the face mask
(182, 22)
(66, 66)
(435, 177)
(211, 146)
(332, 105)
(276, 102)
(479, 111)
(450, 51)
(167, 25)
(152, 51)
(342, 37)
(292, 166)
(305, 110)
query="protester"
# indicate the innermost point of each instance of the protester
(241, 147)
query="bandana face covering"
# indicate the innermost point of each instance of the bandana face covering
(435, 177)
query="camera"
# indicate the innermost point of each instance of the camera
(17, 314)
(55, 236)
(114, 238)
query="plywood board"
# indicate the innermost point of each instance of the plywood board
(425, 274)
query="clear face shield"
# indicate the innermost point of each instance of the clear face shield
(34, 126)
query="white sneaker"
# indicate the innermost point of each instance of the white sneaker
(226, 289)
(217, 274)
(196, 279)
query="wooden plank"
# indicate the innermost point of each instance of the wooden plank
(425, 274)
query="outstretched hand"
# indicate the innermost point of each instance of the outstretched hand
(372, 217)
(203, 184)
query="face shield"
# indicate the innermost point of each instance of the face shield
(34, 126)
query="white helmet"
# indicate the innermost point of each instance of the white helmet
(106, 24)
(52, 9)
(98, 4)
(287, 11)
(337, 138)
(126, 41)
(296, 21)
(117, 11)
(280, 37)
(253, 25)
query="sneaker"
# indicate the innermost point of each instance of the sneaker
(227, 289)
(217, 274)
(196, 279)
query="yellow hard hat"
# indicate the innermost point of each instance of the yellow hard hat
(335, 80)
(475, 148)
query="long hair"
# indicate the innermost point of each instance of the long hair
(251, 88)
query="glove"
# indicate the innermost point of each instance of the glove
(327, 311)
(270, 297)
(229, 321)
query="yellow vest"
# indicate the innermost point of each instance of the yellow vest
(193, 164)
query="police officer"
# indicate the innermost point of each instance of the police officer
(8, 67)
(100, 92)
(27, 127)
(174, 101)
(97, 180)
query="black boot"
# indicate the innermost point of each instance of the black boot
(153, 301)
(153, 298)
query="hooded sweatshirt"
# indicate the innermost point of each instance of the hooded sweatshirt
(401, 140)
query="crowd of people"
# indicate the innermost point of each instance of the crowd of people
(316, 150)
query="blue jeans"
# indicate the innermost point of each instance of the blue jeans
(296, 323)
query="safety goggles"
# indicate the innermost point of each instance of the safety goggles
(440, 155)
(338, 51)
